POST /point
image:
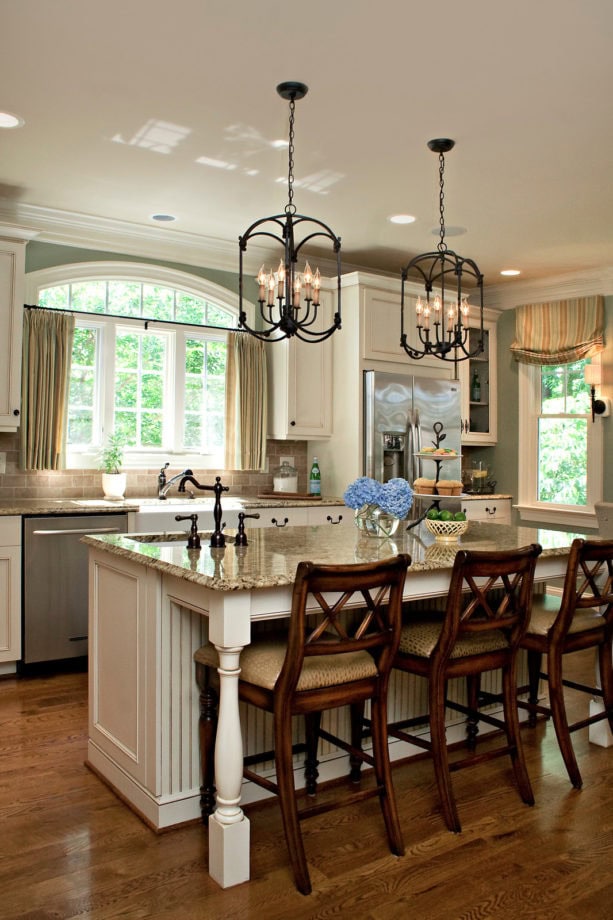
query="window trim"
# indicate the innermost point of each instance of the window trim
(547, 512)
(146, 273)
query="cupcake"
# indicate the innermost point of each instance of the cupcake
(424, 486)
(449, 487)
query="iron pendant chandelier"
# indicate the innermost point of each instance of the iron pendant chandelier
(289, 299)
(442, 318)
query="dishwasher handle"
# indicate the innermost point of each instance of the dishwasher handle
(84, 530)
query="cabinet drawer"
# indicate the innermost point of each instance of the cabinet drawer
(10, 531)
(332, 515)
(488, 509)
(281, 517)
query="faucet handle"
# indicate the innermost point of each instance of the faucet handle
(193, 541)
(241, 537)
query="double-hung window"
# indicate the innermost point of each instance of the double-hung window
(560, 447)
(148, 361)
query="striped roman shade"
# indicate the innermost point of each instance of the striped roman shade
(559, 332)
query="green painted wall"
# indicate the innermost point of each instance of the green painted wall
(46, 255)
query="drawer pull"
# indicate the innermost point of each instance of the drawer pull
(329, 519)
(276, 523)
(491, 511)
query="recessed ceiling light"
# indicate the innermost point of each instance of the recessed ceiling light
(401, 219)
(510, 271)
(163, 218)
(8, 120)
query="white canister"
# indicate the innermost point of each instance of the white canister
(285, 478)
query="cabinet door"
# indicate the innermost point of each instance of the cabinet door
(11, 321)
(479, 410)
(300, 386)
(10, 603)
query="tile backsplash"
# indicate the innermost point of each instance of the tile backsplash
(18, 483)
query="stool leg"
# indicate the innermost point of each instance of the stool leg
(560, 719)
(473, 687)
(534, 676)
(287, 800)
(511, 723)
(606, 678)
(357, 725)
(207, 729)
(440, 756)
(312, 722)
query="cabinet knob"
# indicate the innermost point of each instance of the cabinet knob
(15, 411)
(292, 422)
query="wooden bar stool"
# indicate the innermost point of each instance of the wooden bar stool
(581, 618)
(480, 629)
(340, 656)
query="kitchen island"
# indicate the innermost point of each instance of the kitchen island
(153, 602)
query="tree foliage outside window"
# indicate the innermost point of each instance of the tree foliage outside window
(161, 388)
(563, 435)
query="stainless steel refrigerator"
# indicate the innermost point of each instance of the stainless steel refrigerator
(402, 415)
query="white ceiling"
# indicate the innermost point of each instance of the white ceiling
(123, 98)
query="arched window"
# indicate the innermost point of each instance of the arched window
(148, 360)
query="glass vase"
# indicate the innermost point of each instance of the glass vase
(373, 521)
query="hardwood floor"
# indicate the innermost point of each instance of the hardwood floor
(70, 849)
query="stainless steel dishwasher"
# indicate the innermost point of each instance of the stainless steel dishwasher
(55, 583)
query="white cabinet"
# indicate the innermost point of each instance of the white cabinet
(480, 416)
(488, 509)
(10, 589)
(12, 261)
(300, 385)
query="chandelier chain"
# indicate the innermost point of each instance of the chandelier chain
(442, 246)
(291, 207)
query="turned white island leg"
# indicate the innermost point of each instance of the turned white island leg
(228, 826)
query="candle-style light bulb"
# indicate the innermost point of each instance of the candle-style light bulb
(427, 316)
(419, 310)
(307, 278)
(465, 307)
(437, 306)
(316, 287)
(280, 279)
(297, 291)
(261, 280)
(271, 289)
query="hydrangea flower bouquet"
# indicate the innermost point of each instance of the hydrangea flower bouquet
(379, 507)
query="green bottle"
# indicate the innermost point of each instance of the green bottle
(315, 479)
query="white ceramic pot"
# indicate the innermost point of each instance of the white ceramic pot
(114, 486)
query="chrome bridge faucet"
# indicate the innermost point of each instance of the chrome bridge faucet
(164, 484)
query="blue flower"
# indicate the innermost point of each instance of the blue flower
(364, 491)
(396, 497)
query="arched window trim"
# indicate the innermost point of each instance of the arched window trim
(144, 272)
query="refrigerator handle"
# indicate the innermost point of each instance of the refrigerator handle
(414, 435)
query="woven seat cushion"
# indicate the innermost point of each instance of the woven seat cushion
(420, 638)
(545, 609)
(261, 664)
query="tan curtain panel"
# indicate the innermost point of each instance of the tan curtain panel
(246, 403)
(45, 376)
(559, 332)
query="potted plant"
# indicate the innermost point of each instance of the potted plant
(113, 479)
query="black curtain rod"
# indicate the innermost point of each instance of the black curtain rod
(138, 319)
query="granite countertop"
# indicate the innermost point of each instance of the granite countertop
(17, 506)
(272, 555)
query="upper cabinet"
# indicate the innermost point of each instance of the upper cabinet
(12, 261)
(478, 377)
(300, 385)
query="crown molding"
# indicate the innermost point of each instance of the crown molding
(576, 284)
(70, 228)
